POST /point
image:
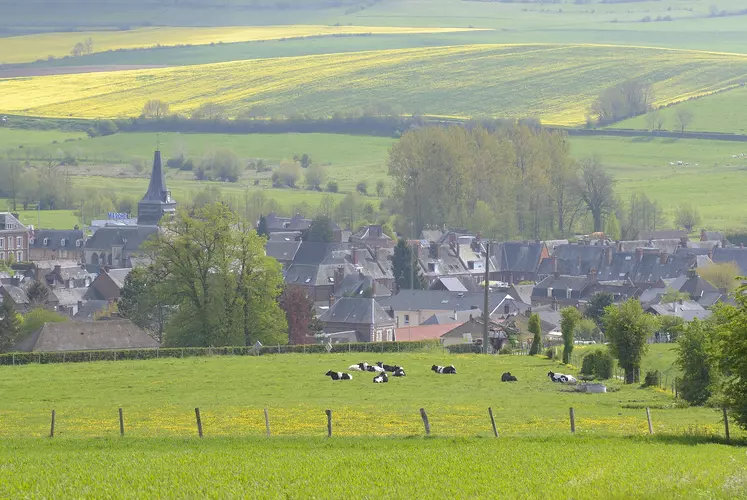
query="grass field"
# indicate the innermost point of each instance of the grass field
(723, 112)
(28, 48)
(554, 83)
(584, 467)
(13, 138)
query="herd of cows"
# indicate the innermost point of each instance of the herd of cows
(381, 370)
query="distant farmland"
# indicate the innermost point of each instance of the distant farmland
(556, 83)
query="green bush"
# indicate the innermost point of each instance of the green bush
(587, 365)
(652, 379)
(506, 349)
(550, 353)
(598, 364)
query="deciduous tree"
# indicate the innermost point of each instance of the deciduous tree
(595, 188)
(722, 275)
(684, 117)
(687, 217)
(155, 108)
(320, 230)
(299, 312)
(535, 329)
(569, 318)
(404, 268)
(628, 328)
(10, 324)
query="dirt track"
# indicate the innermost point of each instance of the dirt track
(68, 70)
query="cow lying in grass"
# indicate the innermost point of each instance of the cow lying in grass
(388, 368)
(444, 369)
(507, 377)
(381, 378)
(365, 367)
(339, 375)
(561, 378)
(399, 372)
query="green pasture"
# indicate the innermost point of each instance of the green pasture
(724, 112)
(343, 468)
(159, 396)
(18, 139)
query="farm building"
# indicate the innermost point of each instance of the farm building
(86, 336)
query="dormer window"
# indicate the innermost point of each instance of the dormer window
(78, 243)
(46, 241)
(32, 241)
(63, 242)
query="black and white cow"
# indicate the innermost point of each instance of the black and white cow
(507, 377)
(381, 378)
(387, 368)
(561, 378)
(356, 368)
(400, 372)
(339, 375)
(375, 369)
(444, 369)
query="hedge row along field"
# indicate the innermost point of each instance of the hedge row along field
(554, 82)
(28, 48)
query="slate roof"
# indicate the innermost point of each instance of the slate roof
(16, 293)
(356, 311)
(69, 296)
(133, 237)
(310, 252)
(451, 284)
(295, 223)
(522, 292)
(6, 218)
(577, 283)
(54, 238)
(731, 254)
(282, 250)
(548, 315)
(84, 336)
(373, 232)
(687, 310)
(89, 309)
(424, 332)
(520, 257)
(118, 276)
(447, 318)
(437, 300)
(579, 260)
(284, 236)
(706, 235)
(622, 266)
(431, 235)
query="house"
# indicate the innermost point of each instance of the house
(446, 318)
(575, 260)
(471, 332)
(283, 251)
(157, 202)
(372, 237)
(63, 274)
(424, 332)
(107, 285)
(516, 261)
(691, 284)
(14, 238)
(455, 284)
(86, 336)
(439, 259)
(69, 300)
(316, 268)
(297, 224)
(413, 307)
(16, 295)
(563, 290)
(116, 246)
(362, 315)
(688, 310)
(56, 244)
(97, 224)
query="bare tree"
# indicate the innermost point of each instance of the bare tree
(655, 120)
(684, 118)
(687, 216)
(595, 190)
(88, 42)
(155, 108)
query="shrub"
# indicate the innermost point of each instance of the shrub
(550, 353)
(652, 379)
(332, 186)
(587, 365)
(506, 349)
(603, 364)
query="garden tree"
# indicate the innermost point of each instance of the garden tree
(671, 295)
(623, 100)
(586, 329)
(612, 228)
(687, 216)
(569, 318)
(696, 348)
(642, 214)
(155, 108)
(722, 275)
(535, 329)
(315, 176)
(362, 187)
(684, 118)
(299, 312)
(10, 324)
(595, 190)
(320, 230)
(141, 300)
(37, 317)
(627, 329)
(380, 188)
(262, 226)
(672, 325)
(402, 268)
(88, 44)
(332, 187)
(209, 111)
(222, 165)
(38, 293)
(214, 274)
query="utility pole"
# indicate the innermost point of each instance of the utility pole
(485, 312)
(412, 257)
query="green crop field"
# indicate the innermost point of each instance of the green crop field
(556, 83)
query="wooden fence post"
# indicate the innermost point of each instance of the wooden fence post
(329, 422)
(199, 422)
(492, 421)
(573, 421)
(648, 417)
(726, 424)
(51, 429)
(424, 416)
(267, 423)
(121, 423)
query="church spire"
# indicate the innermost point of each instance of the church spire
(157, 200)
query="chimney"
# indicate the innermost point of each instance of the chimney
(455, 316)
(592, 275)
(58, 271)
(710, 254)
(609, 255)
(331, 301)
(663, 258)
(80, 305)
(373, 288)
(554, 304)
(15, 280)
(506, 308)
(355, 256)
(638, 254)
(554, 262)
(339, 277)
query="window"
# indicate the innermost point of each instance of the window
(2, 242)
(63, 242)
(19, 256)
(78, 243)
(2, 255)
(46, 241)
(407, 319)
(19, 241)
(31, 241)
(389, 335)
(431, 267)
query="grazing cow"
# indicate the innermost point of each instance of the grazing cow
(399, 372)
(374, 368)
(355, 368)
(507, 377)
(387, 368)
(444, 369)
(381, 378)
(561, 378)
(339, 375)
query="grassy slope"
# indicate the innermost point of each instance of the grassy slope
(347, 468)
(28, 48)
(159, 397)
(556, 83)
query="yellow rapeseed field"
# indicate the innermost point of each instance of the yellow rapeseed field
(556, 83)
(28, 48)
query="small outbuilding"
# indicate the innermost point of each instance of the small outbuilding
(87, 336)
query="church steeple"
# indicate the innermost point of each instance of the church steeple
(157, 201)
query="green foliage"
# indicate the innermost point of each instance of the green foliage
(362, 187)
(38, 293)
(695, 356)
(10, 324)
(569, 318)
(722, 275)
(315, 176)
(612, 229)
(535, 329)
(653, 379)
(222, 165)
(402, 268)
(671, 295)
(628, 328)
(37, 317)
(212, 270)
(730, 352)
(596, 306)
(672, 325)
(687, 217)
(623, 100)
(595, 190)
(332, 186)
(320, 230)
(586, 329)
(141, 300)
(262, 226)
(598, 363)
